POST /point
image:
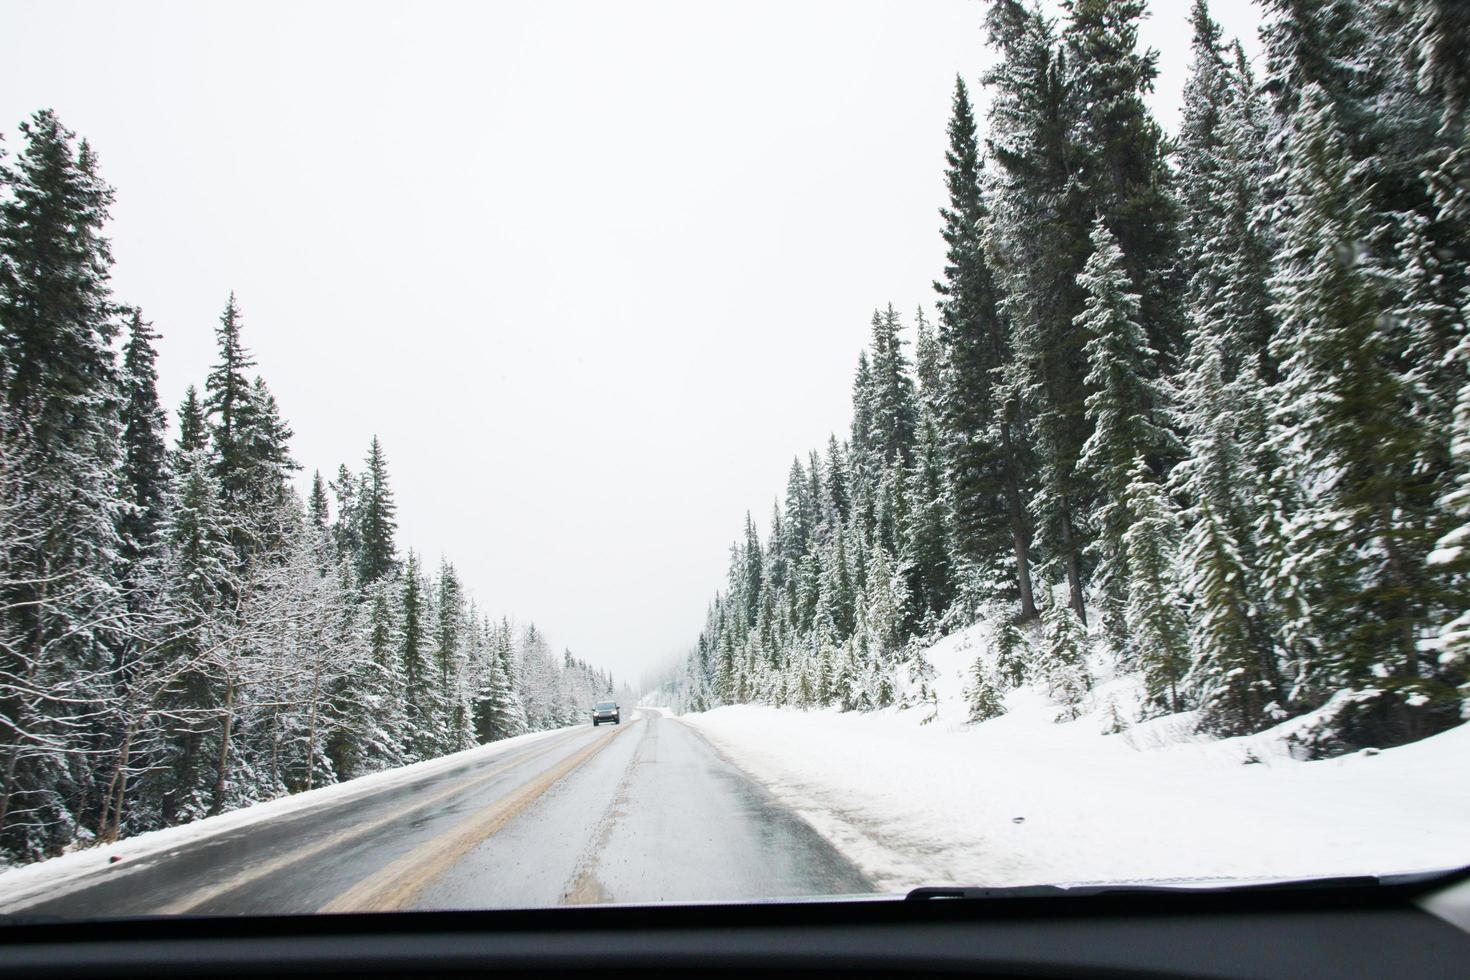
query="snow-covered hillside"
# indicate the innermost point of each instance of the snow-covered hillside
(919, 796)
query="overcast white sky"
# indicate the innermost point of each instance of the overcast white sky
(594, 272)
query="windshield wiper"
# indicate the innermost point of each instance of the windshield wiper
(932, 892)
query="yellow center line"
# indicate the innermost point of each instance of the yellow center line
(202, 896)
(398, 884)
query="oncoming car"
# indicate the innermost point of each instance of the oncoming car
(606, 711)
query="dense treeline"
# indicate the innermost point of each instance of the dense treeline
(1198, 405)
(180, 633)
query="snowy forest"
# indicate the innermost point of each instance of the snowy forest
(1196, 404)
(181, 633)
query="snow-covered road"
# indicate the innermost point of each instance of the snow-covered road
(645, 811)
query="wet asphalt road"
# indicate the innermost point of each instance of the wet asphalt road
(645, 811)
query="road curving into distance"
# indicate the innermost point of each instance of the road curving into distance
(645, 811)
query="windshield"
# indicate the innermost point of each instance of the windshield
(981, 445)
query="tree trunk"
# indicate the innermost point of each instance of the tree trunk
(216, 804)
(316, 678)
(1019, 538)
(275, 749)
(110, 823)
(1074, 568)
(11, 761)
(1399, 579)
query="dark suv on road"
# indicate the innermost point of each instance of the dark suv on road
(606, 711)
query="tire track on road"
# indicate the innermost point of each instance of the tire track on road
(399, 884)
(203, 896)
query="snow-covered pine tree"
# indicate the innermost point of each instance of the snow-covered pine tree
(1234, 678)
(193, 426)
(1126, 407)
(144, 462)
(929, 579)
(1062, 658)
(495, 714)
(303, 632)
(928, 366)
(981, 696)
(347, 527)
(1225, 251)
(1199, 149)
(1348, 417)
(862, 417)
(451, 723)
(65, 616)
(377, 525)
(383, 689)
(198, 573)
(1120, 158)
(1245, 553)
(883, 613)
(318, 507)
(892, 398)
(228, 408)
(1012, 654)
(801, 516)
(418, 676)
(268, 438)
(752, 571)
(1158, 634)
(976, 421)
(1451, 560)
(1039, 237)
(1230, 471)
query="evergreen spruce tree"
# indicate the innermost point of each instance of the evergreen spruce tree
(449, 658)
(1121, 156)
(417, 678)
(347, 528)
(227, 404)
(1200, 153)
(1234, 679)
(925, 554)
(1451, 560)
(884, 612)
(144, 454)
(978, 421)
(386, 694)
(1157, 631)
(928, 366)
(1011, 654)
(266, 438)
(863, 453)
(193, 426)
(198, 572)
(494, 711)
(318, 509)
(893, 401)
(1348, 414)
(1063, 655)
(752, 570)
(1125, 405)
(1040, 226)
(376, 521)
(981, 697)
(65, 617)
(1225, 248)
(835, 493)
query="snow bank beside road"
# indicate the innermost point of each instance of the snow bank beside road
(1022, 800)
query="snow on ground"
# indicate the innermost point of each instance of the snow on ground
(1021, 799)
(22, 886)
